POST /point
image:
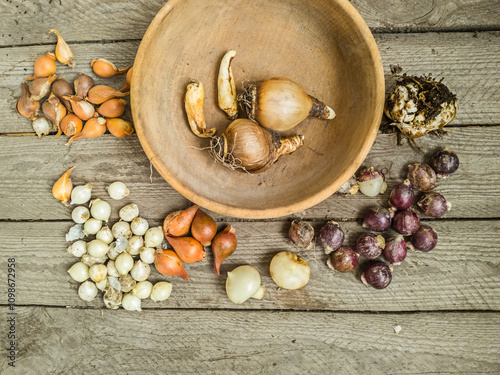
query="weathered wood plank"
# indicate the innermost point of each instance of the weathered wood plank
(467, 61)
(62, 341)
(90, 20)
(27, 178)
(460, 274)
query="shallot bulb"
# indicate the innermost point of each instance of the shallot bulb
(422, 177)
(370, 246)
(289, 271)
(168, 263)
(223, 245)
(343, 260)
(301, 234)
(248, 146)
(378, 220)
(371, 182)
(187, 248)
(402, 196)
(280, 104)
(203, 228)
(445, 162)
(395, 249)
(330, 237)
(434, 205)
(242, 283)
(178, 223)
(406, 222)
(424, 239)
(378, 275)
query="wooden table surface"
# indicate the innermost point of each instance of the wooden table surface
(447, 302)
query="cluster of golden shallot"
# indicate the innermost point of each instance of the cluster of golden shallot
(71, 109)
(117, 261)
(272, 106)
(190, 249)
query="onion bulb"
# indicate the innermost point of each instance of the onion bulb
(289, 271)
(280, 104)
(246, 145)
(243, 283)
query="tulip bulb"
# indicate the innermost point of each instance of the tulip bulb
(178, 223)
(83, 109)
(45, 66)
(193, 103)
(41, 126)
(247, 146)
(243, 283)
(55, 111)
(70, 125)
(118, 127)
(280, 104)
(203, 228)
(168, 263)
(226, 86)
(83, 83)
(26, 106)
(95, 127)
(62, 88)
(101, 93)
(112, 108)
(62, 188)
(105, 68)
(40, 87)
(63, 53)
(223, 245)
(187, 248)
(129, 80)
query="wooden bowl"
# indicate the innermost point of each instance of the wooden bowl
(323, 45)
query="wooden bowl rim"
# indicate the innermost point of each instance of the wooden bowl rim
(249, 213)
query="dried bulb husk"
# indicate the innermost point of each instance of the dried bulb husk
(112, 108)
(419, 105)
(25, 106)
(226, 86)
(112, 298)
(177, 223)
(101, 93)
(81, 108)
(70, 125)
(248, 146)
(62, 88)
(223, 245)
(280, 104)
(118, 127)
(105, 68)
(40, 87)
(62, 187)
(93, 128)
(55, 111)
(193, 103)
(129, 80)
(41, 126)
(83, 83)
(168, 263)
(187, 248)
(45, 66)
(63, 53)
(203, 228)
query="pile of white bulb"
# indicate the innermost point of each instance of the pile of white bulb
(117, 261)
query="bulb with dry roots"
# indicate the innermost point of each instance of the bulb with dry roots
(193, 102)
(248, 146)
(226, 86)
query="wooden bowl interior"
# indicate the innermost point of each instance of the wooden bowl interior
(324, 46)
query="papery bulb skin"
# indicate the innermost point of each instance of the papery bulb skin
(422, 177)
(424, 239)
(395, 249)
(343, 260)
(223, 245)
(402, 196)
(168, 263)
(178, 223)
(378, 220)
(445, 162)
(203, 228)
(370, 245)
(377, 275)
(187, 248)
(330, 236)
(406, 222)
(434, 204)
(301, 234)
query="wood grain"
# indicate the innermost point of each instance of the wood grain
(92, 20)
(64, 341)
(460, 274)
(468, 62)
(26, 180)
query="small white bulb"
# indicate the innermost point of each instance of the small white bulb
(112, 271)
(142, 289)
(140, 271)
(102, 284)
(135, 243)
(90, 260)
(98, 272)
(92, 226)
(81, 194)
(129, 212)
(87, 291)
(147, 255)
(161, 291)
(153, 237)
(131, 302)
(118, 190)
(100, 209)
(127, 283)
(97, 248)
(79, 272)
(41, 126)
(77, 248)
(80, 214)
(105, 235)
(124, 263)
(121, 229)
(139, 226)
